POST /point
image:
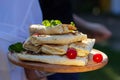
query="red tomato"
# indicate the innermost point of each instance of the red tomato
(71, 53)
(97, 57)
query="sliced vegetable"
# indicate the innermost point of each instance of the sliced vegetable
(97, 57)
(71, 53)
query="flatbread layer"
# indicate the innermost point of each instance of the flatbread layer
(84, 47)
(54, 59)
(29, 46)
(58, 29)
(54, 49)
(57, 39)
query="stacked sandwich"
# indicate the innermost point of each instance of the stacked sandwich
(57, 44)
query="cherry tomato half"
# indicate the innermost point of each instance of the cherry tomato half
(97, 57)
(71, 53)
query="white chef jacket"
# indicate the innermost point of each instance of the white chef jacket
(15, 18)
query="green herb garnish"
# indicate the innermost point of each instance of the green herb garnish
(51, 23)
(46, 23)
(72, 23)
(17, 47)
(55, 22)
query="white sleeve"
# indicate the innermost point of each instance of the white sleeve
(17, 15)
(15, 18)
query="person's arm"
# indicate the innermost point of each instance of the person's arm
(34, 75)
(93, 30)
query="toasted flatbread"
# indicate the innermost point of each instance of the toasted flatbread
(29, 46)
(57, 39)
(54, 59)
(54, 49)
(58, 29)
(84, 47)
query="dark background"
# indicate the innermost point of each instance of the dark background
(100, 11)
